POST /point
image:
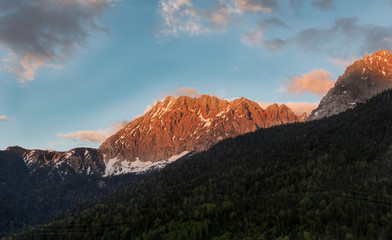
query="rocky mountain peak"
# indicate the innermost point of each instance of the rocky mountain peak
(360, 81)
(176, 126)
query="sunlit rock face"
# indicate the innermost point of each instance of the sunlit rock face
(361, 81)
(186, 124)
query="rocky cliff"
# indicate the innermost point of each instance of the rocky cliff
(361, 81)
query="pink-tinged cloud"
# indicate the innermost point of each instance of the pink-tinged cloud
(301, 107)
(265, 6)
(98, 136)
(184, 91)
(297, 107)
(85, 136)
(316, 81)
(3, 118)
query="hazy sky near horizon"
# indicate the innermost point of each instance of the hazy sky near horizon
(72, 72)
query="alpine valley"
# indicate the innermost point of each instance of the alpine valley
(207, 168)
(38, 184)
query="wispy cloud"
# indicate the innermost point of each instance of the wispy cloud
(98, 136)
(3, 118)
(44, 33)
(316, 81)
(187, 18)
(253, 38)
(264, 6)
(317, 4)
(182, 17)
(343, 63)
(272, 22)
(182, 91)
(324, 4)
(357, 39)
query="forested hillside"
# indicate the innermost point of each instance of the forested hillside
(328, 179)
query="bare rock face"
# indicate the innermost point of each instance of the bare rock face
(185, 124)
(361, 81)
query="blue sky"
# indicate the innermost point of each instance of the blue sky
(74, 71)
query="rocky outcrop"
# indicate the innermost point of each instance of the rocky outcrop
(80, 161)
(361, 81)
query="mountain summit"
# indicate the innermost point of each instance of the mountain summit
(177, 126)
(361, 81)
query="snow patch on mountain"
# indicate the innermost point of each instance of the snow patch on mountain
(117, 166)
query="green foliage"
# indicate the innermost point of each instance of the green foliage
(327, 179)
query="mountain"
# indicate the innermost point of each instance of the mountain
(81, 161)
(325, 179)
(361, 81)
(177, 126)
(35, 185)
(172, 129)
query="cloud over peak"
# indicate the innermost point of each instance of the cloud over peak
(316, 81)
(181, 91)
(44, 33)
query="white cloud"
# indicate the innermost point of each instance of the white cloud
(179, 17)
(316, 81)
(183, 18)
(98, 136)
(44, 33)
(3, 118)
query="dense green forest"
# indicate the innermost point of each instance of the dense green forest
(327, 179)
